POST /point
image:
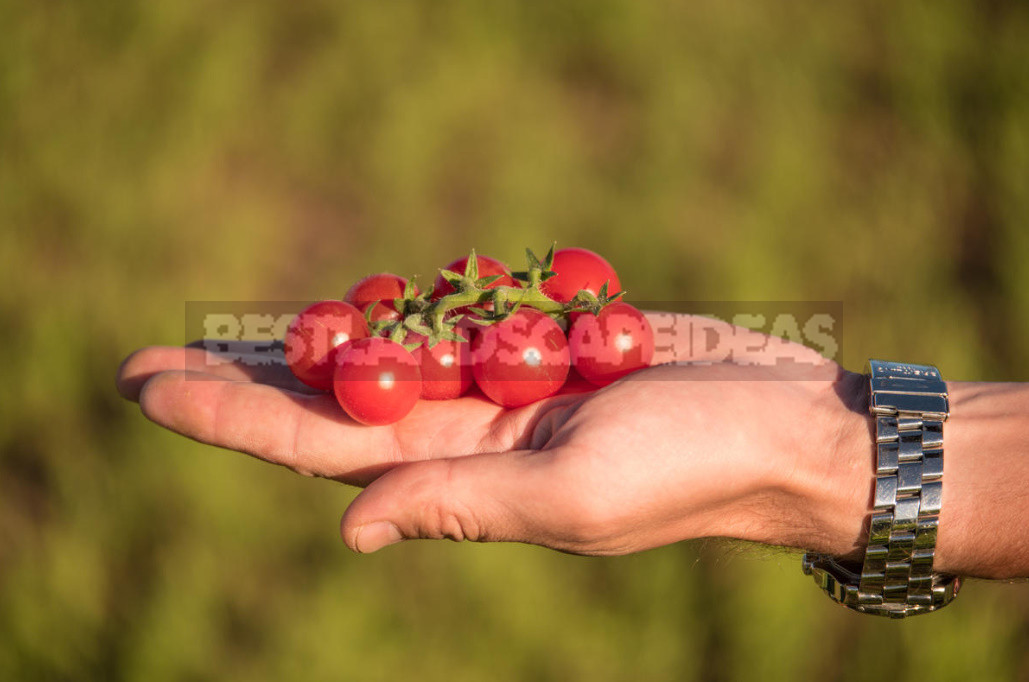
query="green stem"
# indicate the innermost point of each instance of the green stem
(469, 294)
(531, 296)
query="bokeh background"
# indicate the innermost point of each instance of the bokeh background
(158, 152)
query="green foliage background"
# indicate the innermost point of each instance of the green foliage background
(157, 152)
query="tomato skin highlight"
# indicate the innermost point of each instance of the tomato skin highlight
(607, 346)
(376, 381)
(315, 336)
(577, 269)
(521, 359)
(487, 267)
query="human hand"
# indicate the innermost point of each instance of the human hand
(748, 449)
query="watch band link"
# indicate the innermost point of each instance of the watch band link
(909, 404)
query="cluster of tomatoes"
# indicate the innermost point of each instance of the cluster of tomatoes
(516, 335)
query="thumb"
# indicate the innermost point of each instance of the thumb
(488, 497)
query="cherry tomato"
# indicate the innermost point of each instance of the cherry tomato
(579, 269)
(376, 381)
(607, 346)
(487, 267)
(520, 360)
(314, 337)
(378, 293)
(446, 368)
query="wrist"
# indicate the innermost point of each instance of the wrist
(897, 576)
(819, 496)
(981, 523)
(840, 481)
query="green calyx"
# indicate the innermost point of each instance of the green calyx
(423, 318)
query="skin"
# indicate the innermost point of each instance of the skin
(731, 444)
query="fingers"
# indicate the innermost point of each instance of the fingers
(139, 367)
(312, 435)
(488, 497)
(307, 433)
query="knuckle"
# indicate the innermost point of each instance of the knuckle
(446, 515)
(293, 451)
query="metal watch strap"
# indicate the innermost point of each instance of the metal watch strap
(909, 404)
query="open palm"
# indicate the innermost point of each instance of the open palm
(673, 452)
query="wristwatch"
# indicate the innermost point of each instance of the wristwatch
(909, 404)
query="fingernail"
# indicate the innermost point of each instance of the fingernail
(375, 536)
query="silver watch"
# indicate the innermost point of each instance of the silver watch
(909, 405)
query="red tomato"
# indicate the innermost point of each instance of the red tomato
(383, 285)
(446, 369)
(378, 292)
(314, 337)
(607, 346)
(487, 267)
(376, 381)
(521, 359)
(579, 269)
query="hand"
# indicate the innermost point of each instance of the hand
(747, 449)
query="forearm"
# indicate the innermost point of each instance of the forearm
(984, 522)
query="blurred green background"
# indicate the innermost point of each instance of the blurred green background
(157, 152)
